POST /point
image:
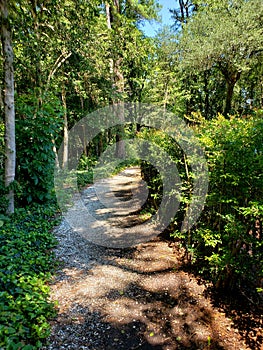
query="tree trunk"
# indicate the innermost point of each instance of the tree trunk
(120, 144)
(206, 90)
(65, 130)
(229, 95)
(231, 77)
(9, 104)
(55, 154)
(118, 80)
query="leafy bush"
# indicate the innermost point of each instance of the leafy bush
(25, 266)
(85, 170)
(229, 236)
(37, 126)
(226, 244)
(152, 176)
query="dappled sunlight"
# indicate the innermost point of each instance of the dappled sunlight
(95, 283)
(151, 257)
(164, 307)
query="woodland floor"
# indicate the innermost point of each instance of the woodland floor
(141, 297)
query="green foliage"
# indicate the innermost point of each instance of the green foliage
(85, 170)
(126, 164)
(229, 236)
(37, 125)
(152, 175)
(214, 37)
(164, 84)
(226, 243)
(69, 45)
(215, 34)
(25, 265)
(87, 163)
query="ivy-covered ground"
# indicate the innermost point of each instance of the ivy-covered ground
(26, 263)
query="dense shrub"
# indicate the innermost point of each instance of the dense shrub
(152, 175)
(37, 127)
(25, 265)
(226, 244)
(229, 236)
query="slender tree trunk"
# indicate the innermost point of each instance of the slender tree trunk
(1, 99)
(206, 90)
(85, 145)
(56, 154)
(120, 144)
(65, 130)
(108, 15)
(165, 95)
(109, 20)
(9, 104)
(118, 80)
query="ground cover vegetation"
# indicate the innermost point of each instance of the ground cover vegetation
(61, 60)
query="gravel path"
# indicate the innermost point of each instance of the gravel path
(128, 297)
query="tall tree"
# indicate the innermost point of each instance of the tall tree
(9, 105)
(182, 14)
(113, 12)
(163, 82)
(215, 37)
(123, 17)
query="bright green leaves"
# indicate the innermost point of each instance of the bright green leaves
(226, 243)
(229, 235)
(209, 237)
(216, 34)
(137, 10)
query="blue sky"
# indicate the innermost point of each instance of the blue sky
(151, 28)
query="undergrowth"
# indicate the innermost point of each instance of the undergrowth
(26, 264)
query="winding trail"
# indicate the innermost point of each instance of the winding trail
(128, 298)
(107, 212)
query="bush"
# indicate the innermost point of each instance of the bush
(37, 126)
(229, 237)
(25, 265)
(226, 244)
(152, 175)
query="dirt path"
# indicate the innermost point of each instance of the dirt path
(106, 213)
(130, 298)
